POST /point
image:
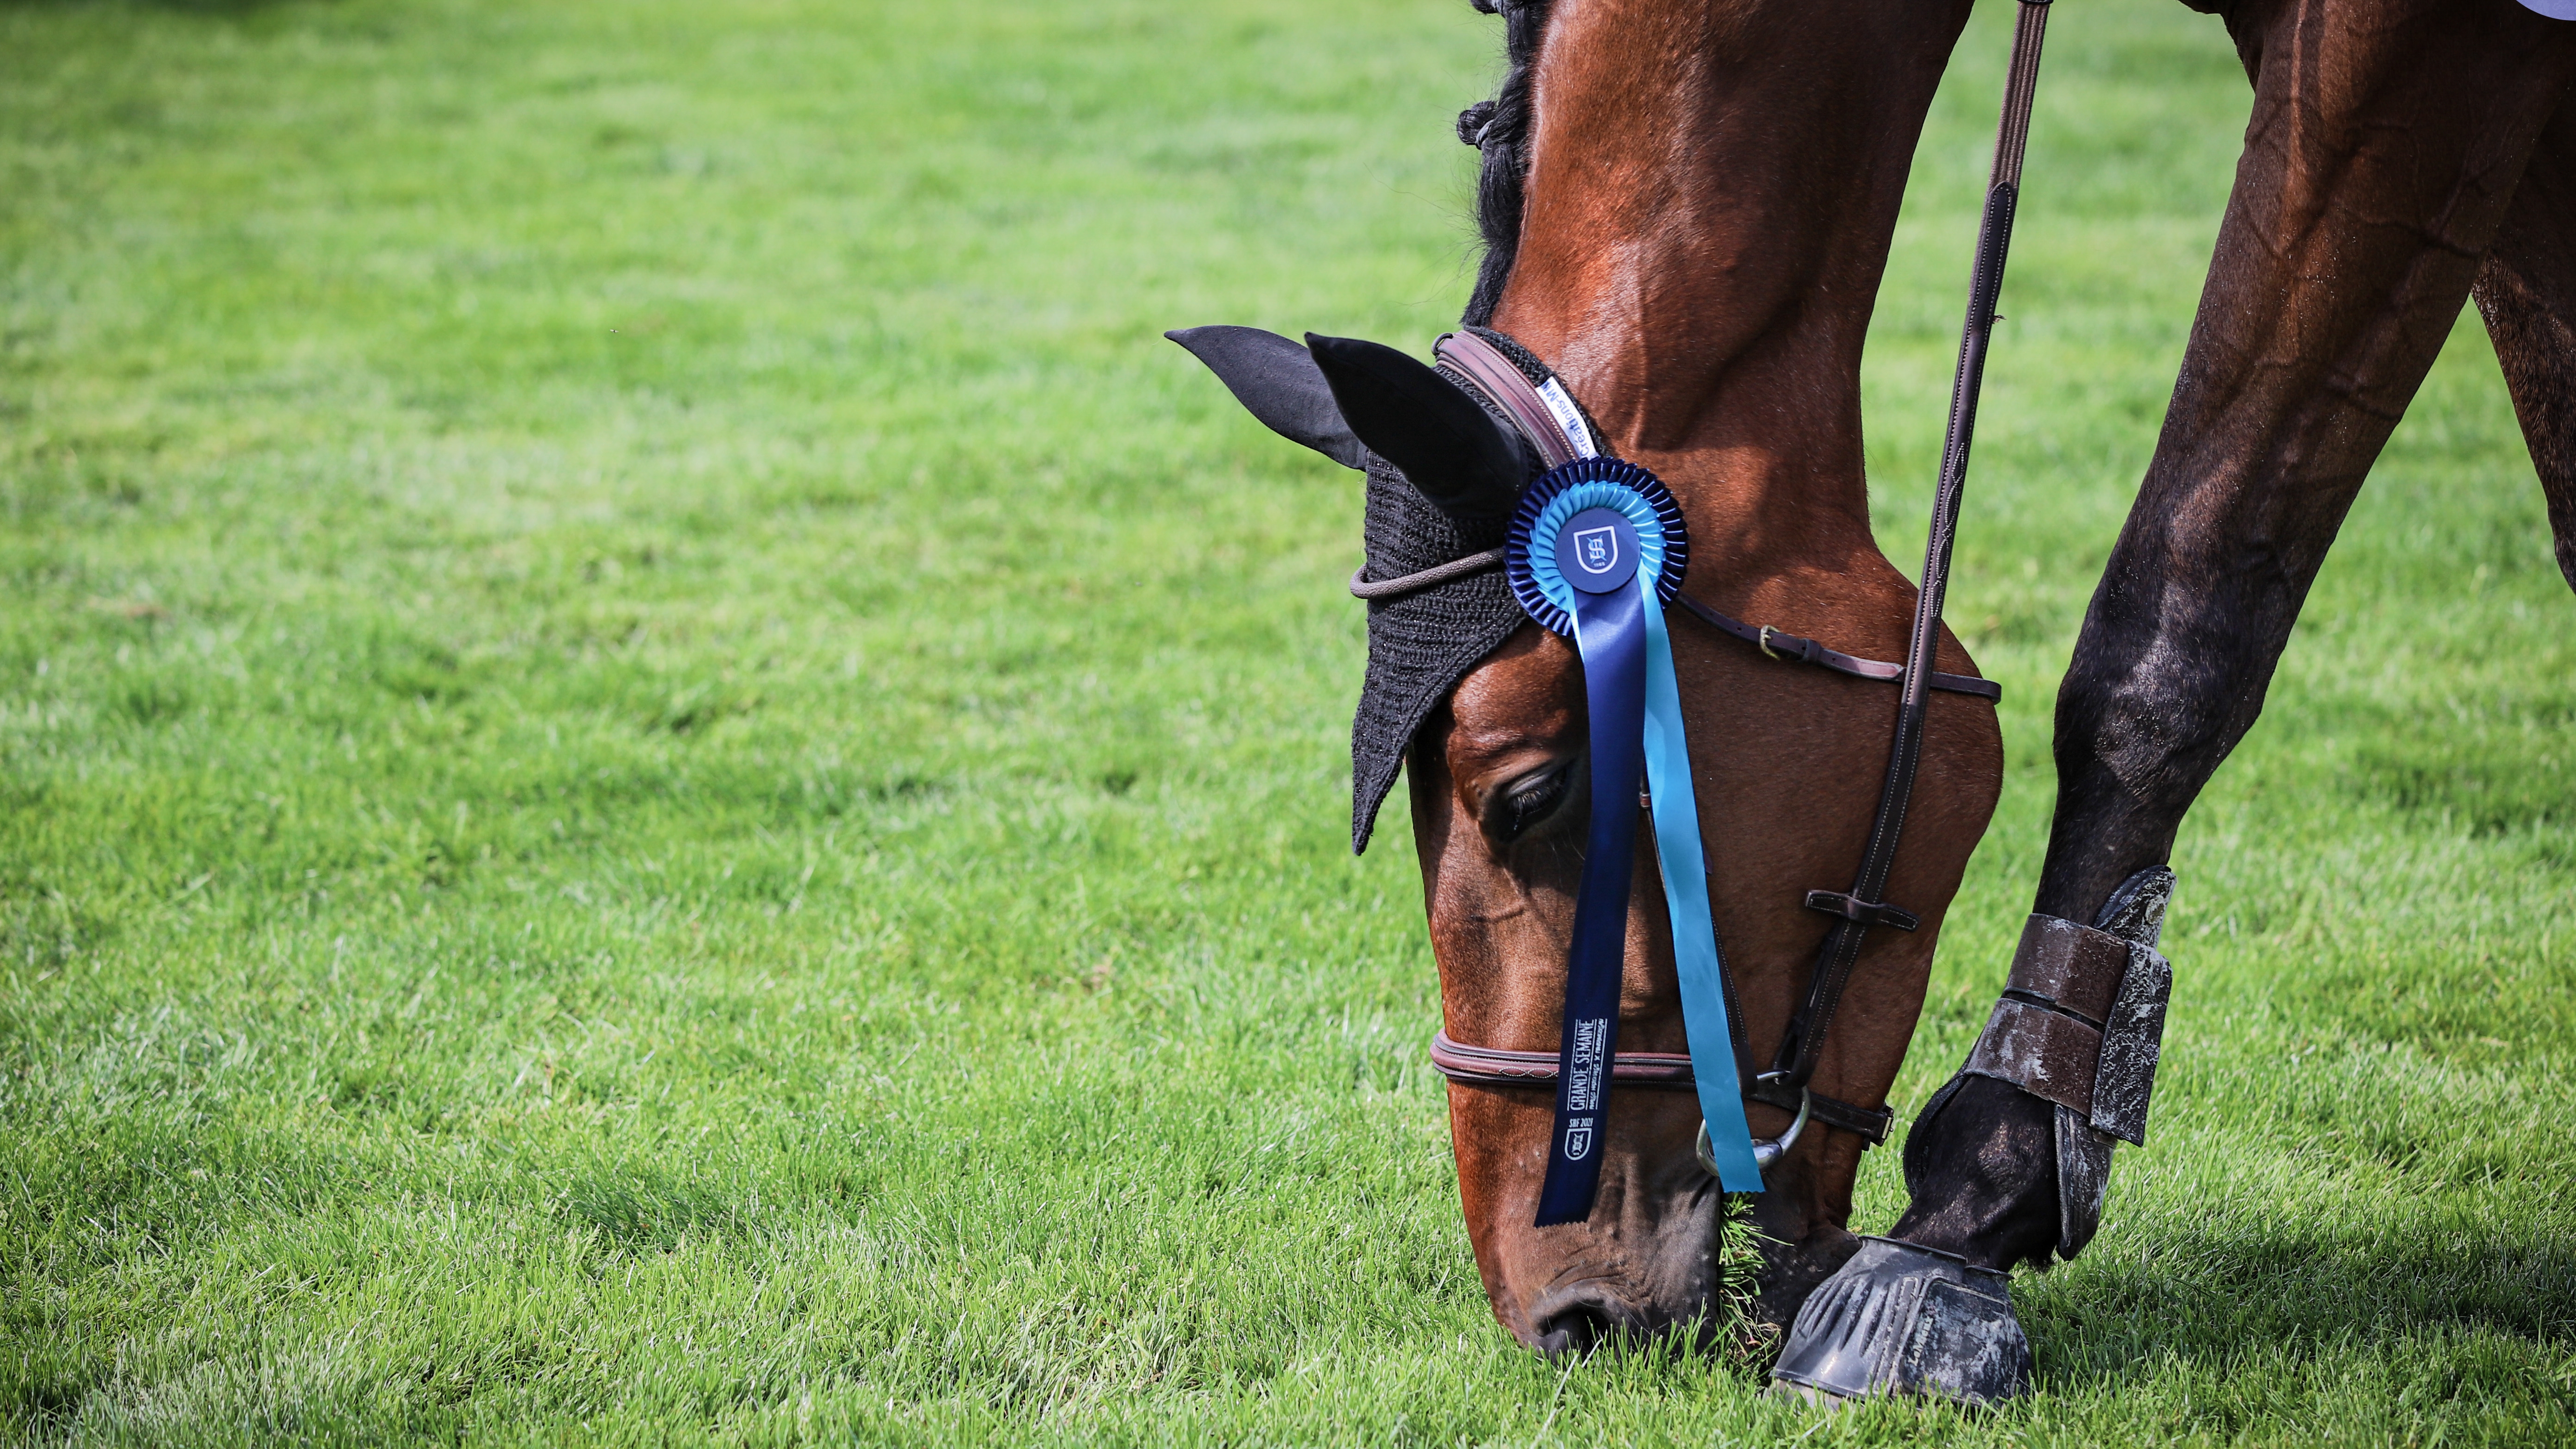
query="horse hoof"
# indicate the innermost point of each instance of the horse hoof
(1903, 1319)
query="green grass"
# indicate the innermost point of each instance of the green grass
(662, 777)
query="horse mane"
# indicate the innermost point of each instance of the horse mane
(1500, 128)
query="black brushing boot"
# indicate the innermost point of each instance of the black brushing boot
(2077, 1033)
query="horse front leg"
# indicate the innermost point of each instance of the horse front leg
(2527, 293)
(2384, 149)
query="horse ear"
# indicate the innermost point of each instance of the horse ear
(1276, 381)
(1458, 454)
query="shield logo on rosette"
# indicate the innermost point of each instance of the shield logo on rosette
(1597, 549)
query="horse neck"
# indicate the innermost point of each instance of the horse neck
(1708, 206)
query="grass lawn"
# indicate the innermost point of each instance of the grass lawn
(663, 778)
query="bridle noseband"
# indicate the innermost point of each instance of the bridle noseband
(1476, 1066)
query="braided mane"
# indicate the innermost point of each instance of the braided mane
(1500, 128)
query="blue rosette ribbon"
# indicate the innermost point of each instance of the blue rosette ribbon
(1595, 552)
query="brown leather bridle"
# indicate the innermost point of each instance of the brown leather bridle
(1488, 371)
(1547, 424)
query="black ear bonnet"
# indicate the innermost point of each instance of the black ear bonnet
(1421, 644)
(1470, 463)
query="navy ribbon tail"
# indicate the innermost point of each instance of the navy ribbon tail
(1610, 634)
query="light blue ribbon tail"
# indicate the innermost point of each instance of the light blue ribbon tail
(1685, 871)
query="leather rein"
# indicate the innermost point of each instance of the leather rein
(1544, 414)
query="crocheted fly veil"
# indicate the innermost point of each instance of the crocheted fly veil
(1422, 643)
(1424, 639)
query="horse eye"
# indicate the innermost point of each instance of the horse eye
(1526, 802)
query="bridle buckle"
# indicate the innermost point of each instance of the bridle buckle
(1765, 1152)
(1764, 643)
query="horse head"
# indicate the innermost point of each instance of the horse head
(1705, 302)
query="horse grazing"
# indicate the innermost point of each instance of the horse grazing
(1688, 209)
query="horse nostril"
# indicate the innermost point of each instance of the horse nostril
(1579, 1327)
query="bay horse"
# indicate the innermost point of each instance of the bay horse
(1687, 207)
